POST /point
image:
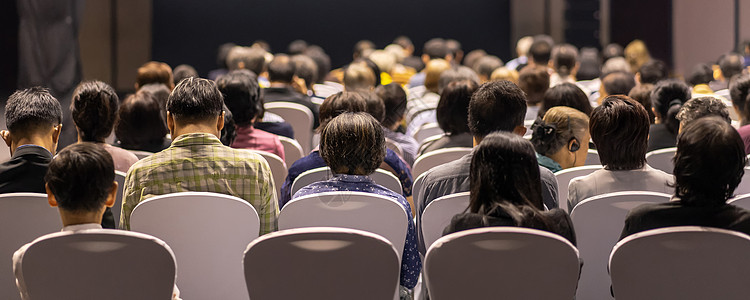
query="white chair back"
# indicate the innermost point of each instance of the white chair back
(528, 124)
(141, 154)
(438, 214)
(297, 115)
(686, 263)
(598, 223)
(325, 90)
(426, 131)
(208, 233)
(744, 187)
(484, 263)
(67, 265)
(438, 157)
(357, 264)
(395, 147)
(742, 201)
(4, 153)
(292, 151)
(380, 176)
(592, 158)
(563, 180)
(117, 208)
(662, 159)
(23, 218)
(356, 210)
(423, 144)
(278, 169)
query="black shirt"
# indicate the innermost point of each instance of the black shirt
(659, 137)
(558, 220)
(287, 94)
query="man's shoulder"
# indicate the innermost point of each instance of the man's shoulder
(454, 169)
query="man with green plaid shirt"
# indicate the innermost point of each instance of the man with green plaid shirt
(198, 162)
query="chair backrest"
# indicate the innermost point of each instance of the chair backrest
(427, 130)
(4, 152)
(207, 232)
(380, 176)
(117, 208)
(97, 264)
(686, 262)
(742, 201)
(141, 154)
(422, 145)
(438, 214)
(528, 124)
(278, 169)
(486, 263)
(357, 264)
(598, 223)
(325, 90)
(292, 150)
(565, 176)
(23, 218)
(395, 147)
(662, 159)
(356, 210)
(744, 187)
(297, 115)
(438, 157)
(592, 158)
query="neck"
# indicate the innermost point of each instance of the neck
(80, 139)
(195, 128)
(76, 218)
(562, 158)
(44, 142)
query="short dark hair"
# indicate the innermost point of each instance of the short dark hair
(184, 71)
(667, 97)
(140, 122)
(731, 64)
(160, 92)
(253, 58)
(94, 110)
(353, 143)
(739, 91)
(340, 103)
(642, 94)
(709, 162)
(697, 108)
(618, 83)
(32, 109)
(195, 100)
(534, 81)
(297, 47)
(305, 68)
(540, 52)
(403, 41)
(375, 105)
(321, 59)
(453, 109)
(457, 73)
(496, 106)
(394, 99)
(435, 48)
(564, 59)
(241, 95)
(612, 50)
(221, 55)
(229, 132)
(80, 177)
(281, 69)
(486, 65)
(619, 128)
(589, 65)
(154, 72)
(473, 57)
(566, 94)
(653, 71)
(700, 74)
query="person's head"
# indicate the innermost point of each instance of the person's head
(80, 182)
(455, 50)
(154, 72)
(457, 73)
(642, 94)
(709, 162)
(534, 81)
(652, 72)
(297, 47)
(394, 99)
(565, 60)
(352, 143)
(636, 54)
(523, 45)
(562, 135)
(739, 91)
(140, 121)
(340, 103)
(667, 97)
(405, 43)
(485, 66)
(94, 110)
(700, 74)
(358, 76)
(589, 67)
(384, 60)
(731, 64)
(503, 73)
(540, 52)
(322, 61)
(566, 94)
(362, 49)
(32, 116)
(306, 69)
(697, 108)
(161, 93)
(241, 95)
(619, 128)
(194, 106)
(229, 132)
(497, 106)
(473, 56)
(184, 71)
(433, 70)
(617, 83)
(281, 69)
(251, 58)
(615, 64)
(612, 50)
(375, 105)
(453, 109)
(396, 51)
(435, 49)
(221, 55)
(504, 175)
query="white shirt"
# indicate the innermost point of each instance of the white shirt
(605, 181)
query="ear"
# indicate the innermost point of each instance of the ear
(425, 58)
(170, 123)
(136, 86)
(112, 195)
(220, 122)
(6, 137)
(519, 130)
(56, 137)
(50, 197)
(574, 145)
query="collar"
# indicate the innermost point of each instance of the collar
(548, 163)
(33, 150)
(79, 227)
(197, 138)
(352, 178)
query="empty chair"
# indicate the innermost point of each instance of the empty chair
(598, 222)
(685, 263)
(662, 159)
(292, 151)
(208, 233)
(278, 169)
(380, 176)
(297, 115)
(592, 159)
(23, 218)
(438, 214)
(321, 263)
(502, 263)
(97, 264)
(565, 176)
(438, 157)
(426, 131)
(117, 208)
(141, 154)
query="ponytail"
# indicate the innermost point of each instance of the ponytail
(670, 120)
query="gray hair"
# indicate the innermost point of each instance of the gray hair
(697, 108)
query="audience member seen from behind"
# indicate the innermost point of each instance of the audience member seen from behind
(652, 72)
(534, 81)
(497, 199)
(619, 129)
(280, 73)
(94, 109)
(708, 167)
(667, 97)
(740, 93)
(154, 72)
(453, 117)
(242, 96)
(140, 125)
(183, 71)
(353, 146)
(730, 65)
(566, 94)
(197, 161)
(615, 83)
(697, 108)
(394, 99)
(565, 64)
(561, 139)
(642, 94)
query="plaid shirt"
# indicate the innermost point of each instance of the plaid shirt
(198, 162)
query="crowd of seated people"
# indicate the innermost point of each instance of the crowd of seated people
(621, 102)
